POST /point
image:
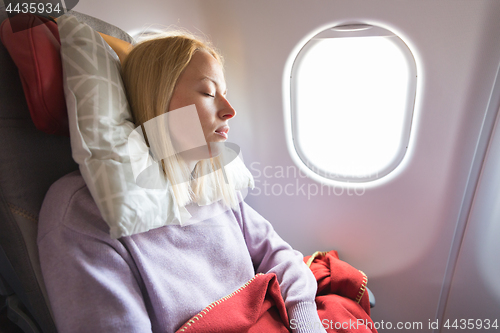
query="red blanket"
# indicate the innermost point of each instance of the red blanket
(257, 307)
(342, 300)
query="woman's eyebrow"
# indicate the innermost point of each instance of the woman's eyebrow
(205, 77)
(209, 79)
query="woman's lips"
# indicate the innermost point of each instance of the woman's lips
(223, 134)
(222, 131)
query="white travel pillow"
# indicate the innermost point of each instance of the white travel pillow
(100, 126)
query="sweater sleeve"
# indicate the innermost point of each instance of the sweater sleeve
(271, 254)
(91, 281)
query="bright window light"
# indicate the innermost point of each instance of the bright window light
(352, 98)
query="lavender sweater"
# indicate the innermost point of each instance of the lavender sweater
(157, 280)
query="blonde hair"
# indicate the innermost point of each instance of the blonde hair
(150, 73)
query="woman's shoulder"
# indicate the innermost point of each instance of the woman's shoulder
(69, 205)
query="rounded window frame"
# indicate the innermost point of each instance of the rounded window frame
(351, 30)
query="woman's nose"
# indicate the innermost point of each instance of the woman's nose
(227, 111)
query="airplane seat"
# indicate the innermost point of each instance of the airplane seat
(30, 162)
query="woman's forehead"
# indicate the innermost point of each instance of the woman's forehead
(203, 66)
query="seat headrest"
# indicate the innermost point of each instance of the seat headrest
(35, 49)
(36, 52)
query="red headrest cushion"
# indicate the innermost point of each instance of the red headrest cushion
(36, 51)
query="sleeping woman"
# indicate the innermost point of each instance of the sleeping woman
(157, 280)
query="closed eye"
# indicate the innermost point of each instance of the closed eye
(207, 94)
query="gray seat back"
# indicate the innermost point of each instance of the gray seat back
(30, 161)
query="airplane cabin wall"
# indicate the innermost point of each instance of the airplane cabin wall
(406, 232)
(475, 292)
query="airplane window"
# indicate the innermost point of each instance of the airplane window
(352, 95)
